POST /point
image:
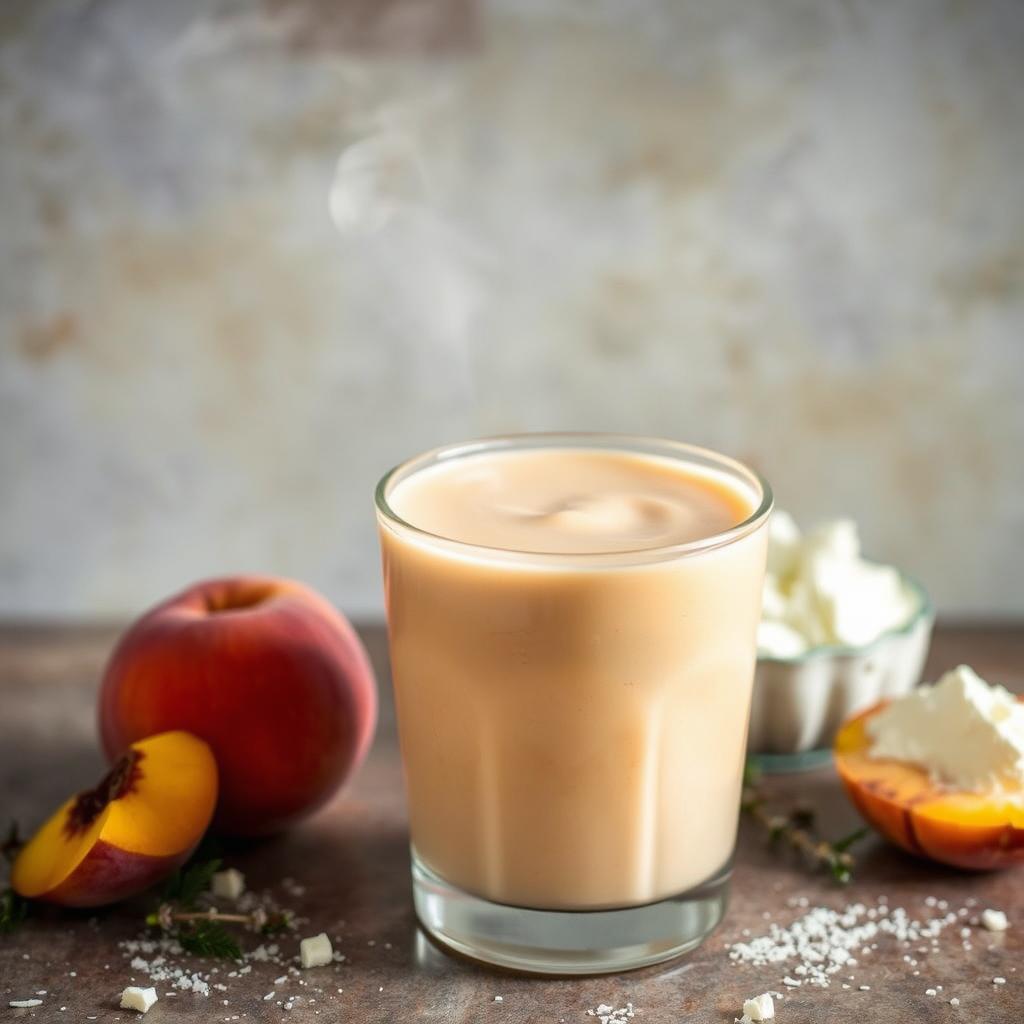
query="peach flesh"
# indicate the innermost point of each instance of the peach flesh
(967, 830)
(143, 820)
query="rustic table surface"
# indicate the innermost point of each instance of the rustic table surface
(346, 872)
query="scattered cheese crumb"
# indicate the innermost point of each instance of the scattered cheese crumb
(994, 920)
(316, 951)
(823, 942)
(228, 885)
(607, 1014)
(998, 981)
(930, 992)
(24, 1004)
(954, 1001)
(135, 998)
(759, 1008)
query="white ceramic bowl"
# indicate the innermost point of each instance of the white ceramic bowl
(799, 703)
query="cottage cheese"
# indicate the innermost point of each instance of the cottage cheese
(228, 885)
(760, 1008)
(316, 951)
(136, 998)
(963, 731)
(820, 591)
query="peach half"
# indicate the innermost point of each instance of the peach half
(978, 831)
(143, 820)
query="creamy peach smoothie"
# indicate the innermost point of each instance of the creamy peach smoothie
(572, 639)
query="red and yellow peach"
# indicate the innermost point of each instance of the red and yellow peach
(135, 827)
(264, 670)
(900, 800)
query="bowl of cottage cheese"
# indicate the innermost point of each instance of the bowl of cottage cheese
(838, 633)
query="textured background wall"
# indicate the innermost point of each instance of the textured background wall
(794, 231)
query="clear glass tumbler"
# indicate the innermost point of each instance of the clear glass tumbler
(573, 726)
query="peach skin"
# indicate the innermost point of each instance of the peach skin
(143, 820)
(964, 829)
(265, 671)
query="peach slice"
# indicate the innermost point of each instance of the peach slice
(965, 829)
(141, 821)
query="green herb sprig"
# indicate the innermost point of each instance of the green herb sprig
(209, 938)
(201, 930)
(12, 844)
(187, 884)
(13, 910)
(794, 829)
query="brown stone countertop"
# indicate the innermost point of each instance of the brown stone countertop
(350, 870)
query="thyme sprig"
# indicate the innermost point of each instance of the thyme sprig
(200, 929)
(794, 829)
(258, 920)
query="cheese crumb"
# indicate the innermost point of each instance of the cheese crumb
(135, 998)
(994, 920)
(607, 1014)
(759, 1008)
(24, 1004)
(954, 1001)
(228, 885)
(998, 981)
(963, 730)
(316, 951)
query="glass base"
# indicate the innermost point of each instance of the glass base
(566, 942)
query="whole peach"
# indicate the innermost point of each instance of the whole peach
(268, 673)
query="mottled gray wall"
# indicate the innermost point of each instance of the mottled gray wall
(791, 230)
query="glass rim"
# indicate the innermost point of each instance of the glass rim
(638, 444)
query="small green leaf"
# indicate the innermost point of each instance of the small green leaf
(842, 845)
(840, 871)
(751, 773)
(277, 923)
(13, 910)
(12, 844)
(187, 884)
(208, 938)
